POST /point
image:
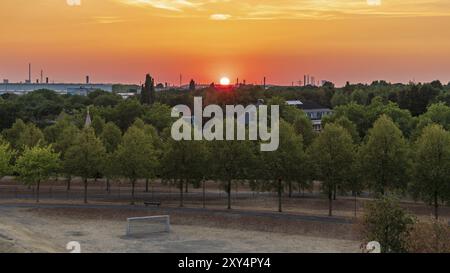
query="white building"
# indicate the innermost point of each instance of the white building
(313, 110)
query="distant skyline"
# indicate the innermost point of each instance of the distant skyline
(119, 41)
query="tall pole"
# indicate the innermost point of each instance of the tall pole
(29, 73)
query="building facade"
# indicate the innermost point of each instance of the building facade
(313, 110)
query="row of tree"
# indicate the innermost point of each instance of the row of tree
(385, 161)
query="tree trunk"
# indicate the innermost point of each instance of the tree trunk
(146, 185)
(133, 184)
(37, 192)
(436, 206)
(330, 202)
(187, 187)
(85, 190)
(181, 193)
(69, 179)
(290, 189)
(229, 193)
(334, 192)
(204, 194)
(280, 209)
(354, 194)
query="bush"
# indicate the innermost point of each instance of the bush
(385, 222)
(429, 237)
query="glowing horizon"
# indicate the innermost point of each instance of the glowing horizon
(122, 40)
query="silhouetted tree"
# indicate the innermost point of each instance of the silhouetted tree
(148, 91)
(192, 85)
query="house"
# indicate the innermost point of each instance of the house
(313, 110)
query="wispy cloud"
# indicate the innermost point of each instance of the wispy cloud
(73, 2)
(107, 19)
(296, 9)
(171, 5)
(220, 17)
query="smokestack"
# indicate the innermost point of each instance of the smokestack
(46, 80)
(42, 76)
(29, 73)
(87, 79)
(304, 80)
(264, 83)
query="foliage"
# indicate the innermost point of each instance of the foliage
(184, 162)
(384, 157)
(6, 156)
(232, 160)
(111, 137)
(385, 222)
(429, 237)
(287, 163)
(432, 166)
(36, 165)
(332, 154)
(159, 115)
(85, 157)
(136, 156)
(148, 91)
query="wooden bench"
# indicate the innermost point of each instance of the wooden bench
(157, 204)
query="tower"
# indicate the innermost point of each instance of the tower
(88, 119)
(29, 73)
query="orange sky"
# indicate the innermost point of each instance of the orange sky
(121, 40)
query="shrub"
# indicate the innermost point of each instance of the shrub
(429, 237)
(386, 222)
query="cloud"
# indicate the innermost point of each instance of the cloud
(373, 2)
(220, 17)
(170, 5)
(293, 9)
(107, 19)
(73, 2)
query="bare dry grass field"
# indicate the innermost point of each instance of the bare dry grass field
(103, 230)
(252, 225)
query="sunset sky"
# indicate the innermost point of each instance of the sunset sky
(121, 40)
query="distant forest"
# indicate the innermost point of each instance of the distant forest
(42, 107)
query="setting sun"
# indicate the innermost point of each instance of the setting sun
(224, 81)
